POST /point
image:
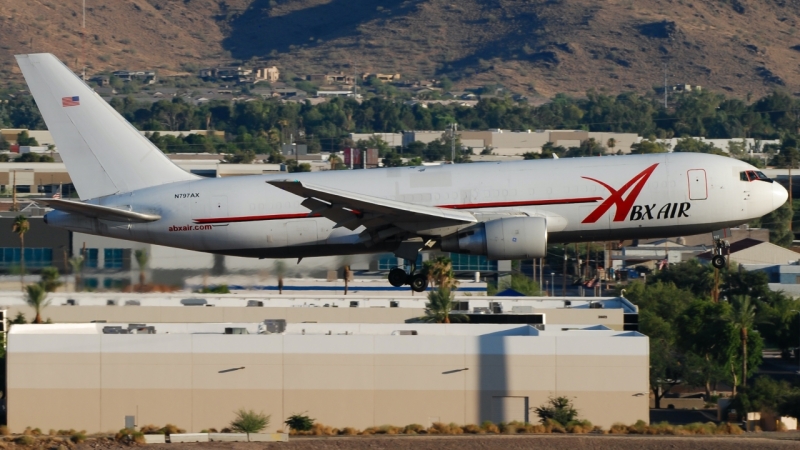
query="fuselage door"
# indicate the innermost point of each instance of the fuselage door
(698, 186)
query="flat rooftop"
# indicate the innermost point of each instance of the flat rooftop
(465, 304)
(331, 329)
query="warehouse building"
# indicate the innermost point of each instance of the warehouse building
(196, 375)
(546, 313)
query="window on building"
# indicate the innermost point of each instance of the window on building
(91, 258)
(34, 257)
(472, 263)
(113, 258)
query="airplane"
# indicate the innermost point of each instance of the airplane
(128, 189)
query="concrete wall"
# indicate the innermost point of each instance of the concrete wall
(196, 381)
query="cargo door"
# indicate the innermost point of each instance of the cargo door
(698, 185)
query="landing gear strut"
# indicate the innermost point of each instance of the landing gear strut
(398, 277)
(718, 258)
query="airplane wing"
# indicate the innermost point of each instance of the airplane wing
(353, 210)
(98, 211)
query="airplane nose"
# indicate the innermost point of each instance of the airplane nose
(779, 195)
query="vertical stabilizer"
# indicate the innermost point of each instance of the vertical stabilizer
(103, 153)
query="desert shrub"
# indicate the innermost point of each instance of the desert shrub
(249, 421)
(389, 429)
(661, 428)
(319, 429)
(554, 426)
(149, 429)
(559, 409)
(69, 432)
(579, 426)
(618, 428)
(129, 436)
(535, 428)
(347, 431)
(455, 429)
(172, 429)
(226, 430)
(78, 437)
(299, 422)
(473, 429)
(26, 440)
(700, 428)
(640, 427)
(729, 428)
(4, 431)
(512, 427)
(489, 427)
(598, 429)
(413, 428)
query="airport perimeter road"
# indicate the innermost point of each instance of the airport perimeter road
(566, 442)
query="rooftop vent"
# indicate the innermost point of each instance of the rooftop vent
(404, 333)
(133, 303)
(236, 330)
(255, 303)
(194, 302)
(270, 326)
(114, 330)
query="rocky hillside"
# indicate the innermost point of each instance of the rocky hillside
(531, 46)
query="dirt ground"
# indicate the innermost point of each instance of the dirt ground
(762, 442)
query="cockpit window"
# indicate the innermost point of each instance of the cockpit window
(754, 175)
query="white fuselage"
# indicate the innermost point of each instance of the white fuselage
(583, 199)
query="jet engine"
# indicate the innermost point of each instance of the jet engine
(506, 238)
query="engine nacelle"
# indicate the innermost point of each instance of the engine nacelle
(506, 238)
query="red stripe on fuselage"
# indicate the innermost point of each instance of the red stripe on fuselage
(564, 201)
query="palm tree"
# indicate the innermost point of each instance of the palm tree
(21, 226)
(141, 259)
(76, 263)
(440, 306)
(279, 267)
(440, 273)
(36, 298)
(742, 316)
(611, 144)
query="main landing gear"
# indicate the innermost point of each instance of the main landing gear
(399, 277)
(409, 250)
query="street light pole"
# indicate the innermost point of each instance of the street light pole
(798, 348)
(553, 284)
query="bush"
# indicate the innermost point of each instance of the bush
(300, 422)
(618, 428)
(150, 429)
(249, 421)
(490, 427)
(579, 427)
(171, 429)
(413, 428)
(473, 429)
(26, 440)
(559, 409)
(78, 438)
(129, 436)
(347, 431)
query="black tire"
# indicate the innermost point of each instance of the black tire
(418, 282)
(718, 261)
(397, 277)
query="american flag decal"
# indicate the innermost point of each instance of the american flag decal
(70, 101)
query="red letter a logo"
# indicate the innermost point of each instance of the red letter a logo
(623, 205)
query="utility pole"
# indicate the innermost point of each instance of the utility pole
(564, 275)
(83, 40)
(453, 129)
(665, 85)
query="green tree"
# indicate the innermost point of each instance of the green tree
(50, 279)
(520, 283)
(24, 139)
(742, 317)
(559, 409)
(440, 273)
(439, 308)
(648, 146)
(76, 264)
(21, 226)
(36, 298)
(249, 421)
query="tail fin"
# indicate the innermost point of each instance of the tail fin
(103, 153)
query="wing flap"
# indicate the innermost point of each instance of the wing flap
(98, 211)
(369, 211)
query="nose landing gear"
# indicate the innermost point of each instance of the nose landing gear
(718, 258)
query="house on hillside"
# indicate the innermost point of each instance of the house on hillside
(268, 74)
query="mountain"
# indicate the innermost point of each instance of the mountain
(537, 47)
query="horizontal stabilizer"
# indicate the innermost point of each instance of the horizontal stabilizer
(98, 211)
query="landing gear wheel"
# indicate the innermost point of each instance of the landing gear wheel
(397, 277)
(718, 261)
(418, 282)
